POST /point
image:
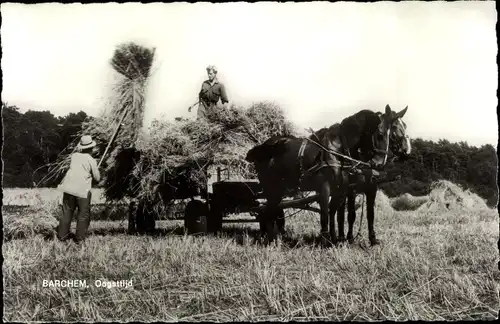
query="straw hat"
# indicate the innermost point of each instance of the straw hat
(86, 142)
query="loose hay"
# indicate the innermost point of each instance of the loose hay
(39, 220)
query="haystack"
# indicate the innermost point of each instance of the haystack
(446, 196)
(382, 203)
(408, 202)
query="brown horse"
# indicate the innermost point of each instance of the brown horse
(285, 165)
(400, 146)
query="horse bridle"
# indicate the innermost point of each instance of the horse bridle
(374, 149)
(381, 151)
(397, 146)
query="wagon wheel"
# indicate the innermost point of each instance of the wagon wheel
(284, 214)
(262, 225)
(215, 219)
(279, 225)
(144, 219)
(149, 220)
(280, 221)
(131, 217)
(195, 217)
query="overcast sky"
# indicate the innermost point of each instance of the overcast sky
(320, 61)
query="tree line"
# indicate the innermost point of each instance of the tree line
(471, 167)
(34, 139)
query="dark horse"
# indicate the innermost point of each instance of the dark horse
(285, 165)
(400, 146)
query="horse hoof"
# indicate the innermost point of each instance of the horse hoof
(374, 242)
(324, 240)
(341, 243)
(341, 238)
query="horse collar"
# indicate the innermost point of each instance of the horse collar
(345, 145)
(301, 154)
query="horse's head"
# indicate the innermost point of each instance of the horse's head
(390, 134)
(399, 141)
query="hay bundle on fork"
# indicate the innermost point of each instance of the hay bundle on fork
(133, 63)
(118, 126)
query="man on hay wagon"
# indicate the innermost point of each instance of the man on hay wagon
(211, 92)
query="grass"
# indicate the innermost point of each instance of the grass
(429, 267)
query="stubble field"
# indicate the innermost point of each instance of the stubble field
(432, 265)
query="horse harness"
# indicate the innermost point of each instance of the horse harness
(323, 163)
(351, 169)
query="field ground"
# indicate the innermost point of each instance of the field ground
(18, 198)
(430, 266)
(33, 196)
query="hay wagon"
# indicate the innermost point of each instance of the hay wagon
(207, 208)
(227, 197)
(223, 197)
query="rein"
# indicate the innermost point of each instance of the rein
(361, 218)
(337, 153)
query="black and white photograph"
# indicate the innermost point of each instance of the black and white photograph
(247, 162)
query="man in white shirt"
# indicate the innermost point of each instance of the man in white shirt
(76, 187)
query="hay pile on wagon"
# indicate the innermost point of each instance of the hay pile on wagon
(170, 159)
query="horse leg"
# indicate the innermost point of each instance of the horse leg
(280, 221)
(336, 200)
(271, 213)
(337, 189)
(324, 195)
(371, 193)
(340, 217)
(351, 215)
(268, 221)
